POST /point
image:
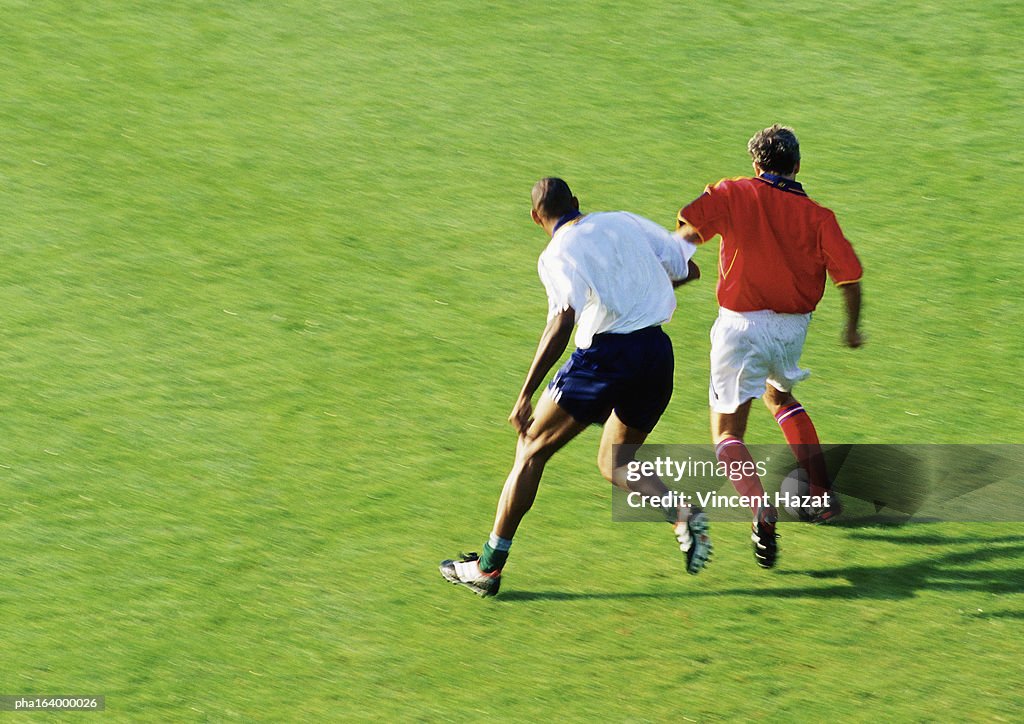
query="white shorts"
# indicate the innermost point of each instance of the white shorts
(750, 349)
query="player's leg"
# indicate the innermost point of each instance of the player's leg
(800, 434)
(552, 428)
(802, 437)
(648, 367)
(579, 395)
(730, 424)
(727, 431)
(739, 369)
(639, 397)
(789, 333)
(619, 443)
(730, 410)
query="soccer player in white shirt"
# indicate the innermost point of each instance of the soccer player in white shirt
(611, 276)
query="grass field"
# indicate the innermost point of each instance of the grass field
(268, 293)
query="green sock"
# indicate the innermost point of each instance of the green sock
(495, 554)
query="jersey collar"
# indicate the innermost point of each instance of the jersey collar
(569, 218)
(783, 184)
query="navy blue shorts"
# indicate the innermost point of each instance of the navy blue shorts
(628, 373)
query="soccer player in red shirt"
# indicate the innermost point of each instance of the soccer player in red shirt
(777, 248)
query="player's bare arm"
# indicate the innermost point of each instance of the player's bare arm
(692, 275)
(552, 344)
(852, 297)
(688, 232)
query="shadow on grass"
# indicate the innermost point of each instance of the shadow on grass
(997, 614)
(935, 539)
(949, 572)
(511, 596)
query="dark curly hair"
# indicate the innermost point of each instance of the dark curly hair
(775, 149)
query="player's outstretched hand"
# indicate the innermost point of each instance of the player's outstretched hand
(522, 415)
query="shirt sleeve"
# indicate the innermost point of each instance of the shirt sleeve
(673, 252)
(563, 284)
(840, 259)
(707, 212)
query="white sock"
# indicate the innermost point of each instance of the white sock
(499, 544)
(682, 532)
(468, 570)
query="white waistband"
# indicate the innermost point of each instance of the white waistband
(760, 314)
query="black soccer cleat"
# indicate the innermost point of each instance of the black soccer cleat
(828, 513)
(466, 572)
(694, 541)
(766, 547)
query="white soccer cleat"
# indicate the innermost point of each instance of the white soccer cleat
(466, 572)
(695, 541)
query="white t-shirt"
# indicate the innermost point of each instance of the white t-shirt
(615, 269)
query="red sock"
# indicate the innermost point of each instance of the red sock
(742, 470)
(803, 441)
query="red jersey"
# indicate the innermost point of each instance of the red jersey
(777, 244)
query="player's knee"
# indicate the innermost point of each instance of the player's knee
(607, 468)
(537, 449)
(726, 429)
(775, 399)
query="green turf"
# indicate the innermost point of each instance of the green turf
(269, 291)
